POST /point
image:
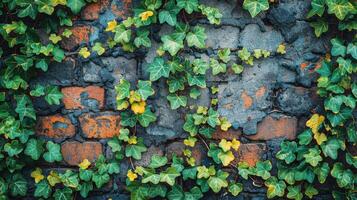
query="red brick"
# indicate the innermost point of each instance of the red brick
(103, 125)
(121, 8)
(271, 128)
(228, 135)
(75, 152)
(80, 34)
(55, 126)
(249, 153)
(92, 11)
(72, 96)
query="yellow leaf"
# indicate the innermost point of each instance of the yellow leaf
(202, 110)
(132, 140)
(53, 178)
(314, 122)
(58, 2)
(122, 104)
(131, 175)
(187, 152)
(145, 15)
(281, 49)
(225, 124)
(84, 52)
(139, 170)
(111, 26)
(320, 138)
(84, 164)
(134, 97)
(235, 144)
(191, 161)
(226, 157)
(138, 107)
(55, 38)
(37, 175)
(225, 145)
(190, 141)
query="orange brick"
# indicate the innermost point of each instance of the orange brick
(75, 152)
(103, 125)
(247, 100)
(121, 8)
(249, 153)
(260, 92)
(55, 126)
(80, 34)
(271, 128)
(92, 11)
(228, 135)
(72, 96)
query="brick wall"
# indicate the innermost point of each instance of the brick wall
(267, 103)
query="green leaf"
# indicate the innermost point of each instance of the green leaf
(85, 188)
(43, 189)
(135, 150)
(188, 5)
(63, 194)
(169, 175)
(219, 181)
(275, 187)
(147, 117)
(310, 191)
(213, 118)
(14, 148)
(157, 161)
(53, 152)
(151, 177)
(172, 43)
(122, 35)
(18, 185)
(255, 6)
(352, 50)
(287, 151)
(313, 157)
(24, 107)
(144, 89)
(169, 14)
(263, 169)
(45, 7)
(194, 93)
(53, 95)
(340, 118)
(158, 68)
(334, 103)
(331, 147)
(322, 172)
(38, 91)
(58, 54)
(122, 89)
(142, 39)
(69, 179)
(85, 174)
(100, 179)
(177, 101)
(28, 8)
(75, 5)
(320, 27)
(189, 173)
(238, 69)
(217, 67)
(176, 84)
(340, 8)
(224, 55)
(98, 47)
(198, 80)
(235, 188)
(128, 119)
(197, 37)
(190, 126)
(34, 148)
(305, 137)
(294, 192)
(24, 62)
(176, 193)
(317, 7)
(338, 49)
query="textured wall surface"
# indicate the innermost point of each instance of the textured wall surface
(265, 104)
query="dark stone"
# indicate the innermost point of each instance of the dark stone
(281, 16)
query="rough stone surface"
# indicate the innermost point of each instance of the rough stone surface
(102, 125)
(91, 73)
(146, 157)
(75, 152)
(81, 97)
(228, 37)
(55, 126)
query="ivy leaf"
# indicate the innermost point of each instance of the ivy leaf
(255, 6)
(14, 148)
(331, 147)
(142, 39)
(339, 8)
(128, 119)
(122, 89)
(176, 193)
(75, 5)
(38, 91)
(320, 27)
(98, 47)
(28, 8)
(34, 148)
(169, 14)
(352, 50)
(177, 101)
(63, 194)
(235, 188)
(189, 173)
(322, 172)
(340, 118)
(343, 177)
(275, 187)
(58, 54)
(53, 95)
(198, 80)
(176, 83)
(158, 68)
(151, 177)
(144, 89)
(53, 152)
(334, 103)
(317, 7)
(219, 181)
(169, 175)
(45, 7)
(313, 157)
(238, 69)
(224, 55)
(122, 35)
(287, 151)
(69, 179)
(213, 118)
(197, 37)
(85, 174)
(18, 185)
(338, 49)
(24, 107)
(194, 93)
(190, 126)
(310, 191)
(172, 43)
(100, 179)
(147, 117)
(294, 192)
(43, 189)
(157, 161)
(217, 67)
(85, 188)
(305, 137)
(135, 150)
(226, 157)
(188, 5)
(195, 193)
(263, 169)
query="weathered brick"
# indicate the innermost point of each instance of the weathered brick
(102, 125)
(72, 98)
(75, 152)
(80, 34)
(198, 152)
(55, 126)
(280, 127)
(228, 135)
(92, 11)
(121, 8)
(249, 153)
